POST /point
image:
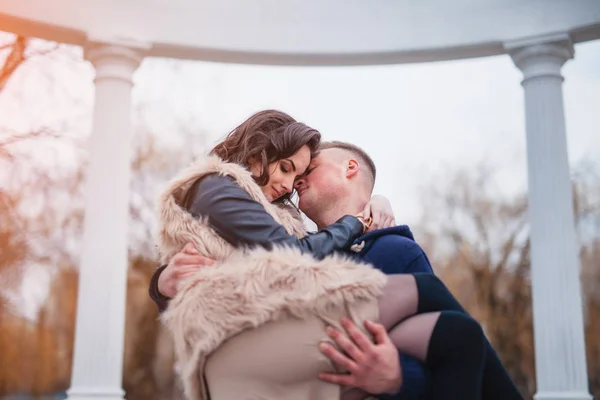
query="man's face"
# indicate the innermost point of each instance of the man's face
(320, 188)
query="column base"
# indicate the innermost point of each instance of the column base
(95, 393)
(562, 396)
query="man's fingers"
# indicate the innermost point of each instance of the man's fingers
(346, 344)
(359, 338)
(379, 333)
(338, 379)
(334, 355)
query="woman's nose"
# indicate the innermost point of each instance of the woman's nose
(288, 185)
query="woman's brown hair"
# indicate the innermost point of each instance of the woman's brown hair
(266, 137)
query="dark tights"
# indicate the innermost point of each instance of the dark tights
(496, 383)
(425, 321)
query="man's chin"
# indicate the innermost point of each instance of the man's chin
(305, 206)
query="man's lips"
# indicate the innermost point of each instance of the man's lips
(300, 191)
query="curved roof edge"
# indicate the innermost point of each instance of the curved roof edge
(69, 36)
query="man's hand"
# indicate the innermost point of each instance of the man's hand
(182, 265)
(372, 367)
(380, 209)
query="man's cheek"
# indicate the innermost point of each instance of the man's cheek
(304, 201)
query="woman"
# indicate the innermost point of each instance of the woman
(260, 314)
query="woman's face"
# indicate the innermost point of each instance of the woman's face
(284, 172)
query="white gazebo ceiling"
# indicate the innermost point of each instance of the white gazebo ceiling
(299, 32)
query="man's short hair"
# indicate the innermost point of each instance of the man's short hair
(360, 154)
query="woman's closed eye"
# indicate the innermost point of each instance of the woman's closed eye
(299, 178)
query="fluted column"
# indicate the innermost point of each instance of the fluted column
(99, 332)
(555, 269)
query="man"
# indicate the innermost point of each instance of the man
(339, 181)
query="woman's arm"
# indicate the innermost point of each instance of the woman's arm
(242, 221)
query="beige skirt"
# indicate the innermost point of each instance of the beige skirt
(280, 360)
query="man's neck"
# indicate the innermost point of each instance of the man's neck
(350, 204)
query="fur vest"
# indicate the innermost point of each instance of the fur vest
(245, 288)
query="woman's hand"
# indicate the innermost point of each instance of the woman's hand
(183, 265)
(380, 209)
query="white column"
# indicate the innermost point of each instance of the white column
(99, 332)
(555, 269)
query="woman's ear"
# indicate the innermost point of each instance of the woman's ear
(352, 168)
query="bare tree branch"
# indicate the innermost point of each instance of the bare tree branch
(508, 247)
(20, 137)
(14, 59)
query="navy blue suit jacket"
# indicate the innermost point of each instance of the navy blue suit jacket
(394, 251)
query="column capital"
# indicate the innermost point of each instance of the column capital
(114, 60)
(541, 56)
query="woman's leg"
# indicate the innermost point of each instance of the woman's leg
(451, 344)
(454, 352)
(406, 295)
(497, 384)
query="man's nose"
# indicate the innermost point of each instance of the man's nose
(299, 183)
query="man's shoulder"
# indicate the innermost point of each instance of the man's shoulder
(394, 250)
(398, 244)
(400, 235)
(395, 239)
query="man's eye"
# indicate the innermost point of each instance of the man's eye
(308, 171)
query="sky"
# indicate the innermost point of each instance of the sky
(417, 121)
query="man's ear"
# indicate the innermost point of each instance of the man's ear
(352, 168)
